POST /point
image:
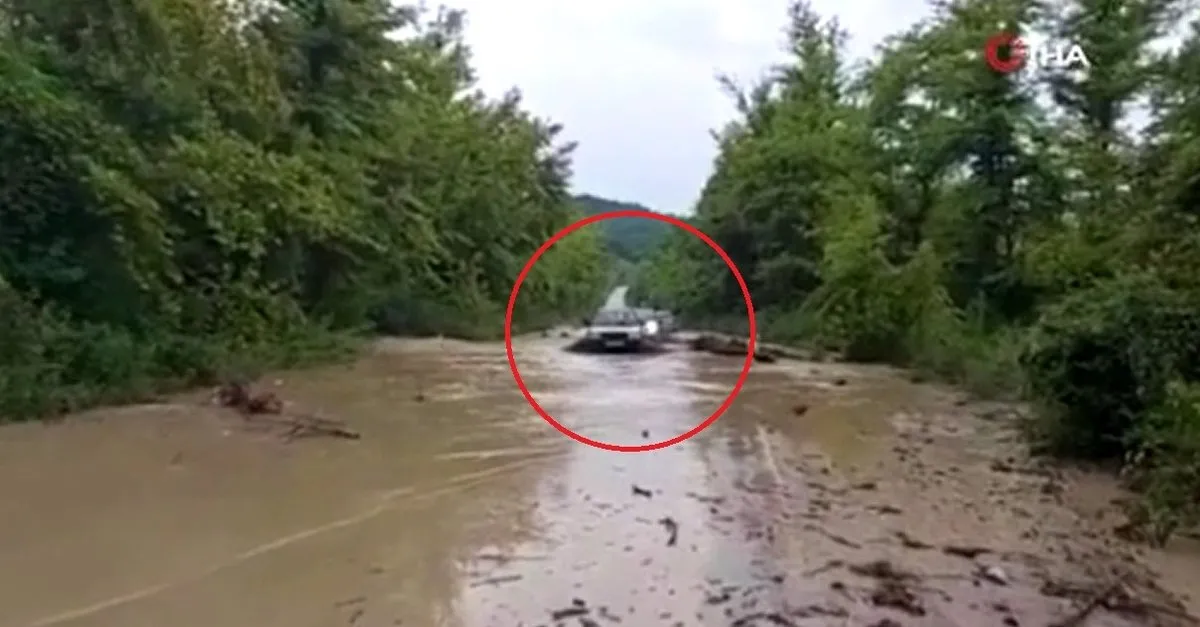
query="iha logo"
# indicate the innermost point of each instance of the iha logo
(1006, 53)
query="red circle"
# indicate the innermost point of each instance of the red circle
(649, 215)
(1016, 52)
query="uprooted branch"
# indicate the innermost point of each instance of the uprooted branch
(266, 408)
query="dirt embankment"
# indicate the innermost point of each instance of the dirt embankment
(730, 345)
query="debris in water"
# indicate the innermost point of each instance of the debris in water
(766, 358)
(759, 618)
(733, 347)
(237, 394)
(800, 409)
(813, 611)
(312, 426)
(1001, 466)
(724, 596)
(968, 552)
(578, 608)
(715, 500)
(910, 542)
(846, 542)
(827, 566)
(993, 574)
(894, 594)
(1092, 605)
(1114, 597)
(642, 492)
(672, 529)
(879, 569)
(492, 581)
(891, 588)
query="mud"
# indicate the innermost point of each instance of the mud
(828, 495)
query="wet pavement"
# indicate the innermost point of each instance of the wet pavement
(828, 495)
(616, 299)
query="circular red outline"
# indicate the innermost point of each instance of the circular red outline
(600, 217)
(1016, 54)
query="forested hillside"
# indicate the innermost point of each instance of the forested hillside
(630, 239)
(929, 211)
(190, 187)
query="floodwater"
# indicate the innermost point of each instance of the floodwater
(827, 495)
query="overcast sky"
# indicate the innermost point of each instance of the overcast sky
(634, 82)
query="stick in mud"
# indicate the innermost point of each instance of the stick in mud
(267, 408)
(311, 426)
(672, 530)
(1082, 614)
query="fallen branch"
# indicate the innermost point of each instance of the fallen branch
(311, 426)
(266, 408)
(1096, 601)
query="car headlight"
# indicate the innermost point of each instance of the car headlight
(651, 327)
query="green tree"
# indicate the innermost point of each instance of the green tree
(189, 187)
(928, 210)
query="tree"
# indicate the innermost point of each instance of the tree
(188, 185)
(928, 210)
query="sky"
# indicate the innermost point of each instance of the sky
(634, 82)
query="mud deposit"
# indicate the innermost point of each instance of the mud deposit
(828, 495)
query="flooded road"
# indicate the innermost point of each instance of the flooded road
(828, 495)
(616, 299)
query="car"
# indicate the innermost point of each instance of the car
(623, 329)
(666, 319)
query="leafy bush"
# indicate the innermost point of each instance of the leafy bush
(53, 364)
(1166, 464)
(1100, 359)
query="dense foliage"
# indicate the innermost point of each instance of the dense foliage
(630, 239)
(1005, 230)
(194, 186)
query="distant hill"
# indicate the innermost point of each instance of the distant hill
(628, 238)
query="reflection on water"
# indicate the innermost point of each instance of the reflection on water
(596, 531)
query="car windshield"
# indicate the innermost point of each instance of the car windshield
(615, 317)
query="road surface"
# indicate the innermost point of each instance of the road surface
(616, 299)
(828, 495)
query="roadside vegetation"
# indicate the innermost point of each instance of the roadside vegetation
(191, 188)
(1011, 233)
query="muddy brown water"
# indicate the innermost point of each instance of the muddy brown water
(461, 507)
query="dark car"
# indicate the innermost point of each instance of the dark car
(623, 329)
